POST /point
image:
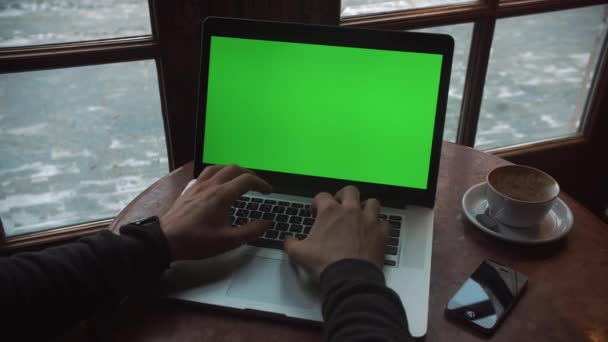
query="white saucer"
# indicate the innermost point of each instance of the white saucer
(554, 226)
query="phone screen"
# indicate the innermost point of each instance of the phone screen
(487, 295)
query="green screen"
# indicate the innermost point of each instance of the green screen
(337, 112)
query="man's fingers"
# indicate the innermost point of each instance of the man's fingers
(228, 173)
(321, 201)
(372, 208)
(349, 196)
(385, 228)
(246, 233)
(243, 183)
(208, 172)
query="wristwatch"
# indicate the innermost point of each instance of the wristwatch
(146, 221)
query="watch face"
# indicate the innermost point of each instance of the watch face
(147, 220)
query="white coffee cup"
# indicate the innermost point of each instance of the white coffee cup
(520, 196)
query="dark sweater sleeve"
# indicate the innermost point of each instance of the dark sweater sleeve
(357, 305)
(43, 293)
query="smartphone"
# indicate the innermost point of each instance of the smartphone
(484, 299)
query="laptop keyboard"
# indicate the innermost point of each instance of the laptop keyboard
(295, 219)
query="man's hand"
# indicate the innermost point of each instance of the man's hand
(197, 224)
(342, 230)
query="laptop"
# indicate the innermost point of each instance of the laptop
(310, 109)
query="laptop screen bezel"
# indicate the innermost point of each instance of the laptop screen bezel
(392, 196)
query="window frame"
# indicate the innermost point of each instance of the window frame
(484, 14)
(76, 54)
(174, 44)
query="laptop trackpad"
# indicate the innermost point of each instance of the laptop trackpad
(273, 281)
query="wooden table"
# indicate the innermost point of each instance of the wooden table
(566, 300)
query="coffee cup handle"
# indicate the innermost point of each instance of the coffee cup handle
(494, 215)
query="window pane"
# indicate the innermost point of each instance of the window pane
(34, 22)
(77, 144)
(539, 74)
(361, 7)
(462, 38)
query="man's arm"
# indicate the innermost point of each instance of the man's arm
(345, 250)
(43, 293)
(357, 305)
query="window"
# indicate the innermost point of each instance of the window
(81, 120)
(462, 41)
(539, 74)
(25, 23)
(531, 66)
(363, 7)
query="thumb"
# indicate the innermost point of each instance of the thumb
(248, 232)
(292, 250)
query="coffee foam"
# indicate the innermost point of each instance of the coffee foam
(524, 184)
